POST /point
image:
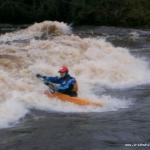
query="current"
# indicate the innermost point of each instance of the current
(114, 74)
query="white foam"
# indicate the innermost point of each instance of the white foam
(10, 112)
(37, 30)
(90, 60)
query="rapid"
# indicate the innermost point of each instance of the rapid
(43, 48)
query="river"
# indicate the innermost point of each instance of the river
(111, 65)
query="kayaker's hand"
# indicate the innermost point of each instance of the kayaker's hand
(39, 76)
(46, 83)
(57, 89)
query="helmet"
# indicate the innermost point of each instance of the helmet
(63, 69)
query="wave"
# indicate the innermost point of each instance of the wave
(91, 60)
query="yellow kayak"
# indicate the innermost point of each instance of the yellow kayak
(75, 100)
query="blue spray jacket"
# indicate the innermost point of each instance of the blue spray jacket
(68, 84)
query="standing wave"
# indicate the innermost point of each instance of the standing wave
(91, 60)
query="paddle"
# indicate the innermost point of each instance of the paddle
(51, 86)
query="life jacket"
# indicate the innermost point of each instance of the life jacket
(75, 87)
(73, 91)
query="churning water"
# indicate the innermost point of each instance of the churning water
(43, 48)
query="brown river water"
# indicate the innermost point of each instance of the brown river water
(111, 66)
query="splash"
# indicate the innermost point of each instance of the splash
(91, 61)
(37, 30)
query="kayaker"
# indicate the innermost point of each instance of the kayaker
(67, 83)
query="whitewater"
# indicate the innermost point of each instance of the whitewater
(43, 48)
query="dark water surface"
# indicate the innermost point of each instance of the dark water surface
(91, 131)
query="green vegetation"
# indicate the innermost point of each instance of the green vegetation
(133, 13)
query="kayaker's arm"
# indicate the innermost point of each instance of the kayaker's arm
(56, 80)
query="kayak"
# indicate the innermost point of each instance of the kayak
(75, 100)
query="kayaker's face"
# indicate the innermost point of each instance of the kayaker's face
(62, 74)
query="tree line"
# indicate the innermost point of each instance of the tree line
(133, 13)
